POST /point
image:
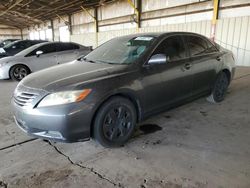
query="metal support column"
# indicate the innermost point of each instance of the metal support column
(95, 17)
(215, 17)
(70, 25)
(139, 8)
(21, 30)
(137, 12)
(53, 31)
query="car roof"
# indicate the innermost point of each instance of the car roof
(55, 42)
(161, 34)
(33, 47)
(18, 41)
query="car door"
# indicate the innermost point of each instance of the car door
(173, 80)
(177, 73)
(67, 52)
(204, 57)
(47, 58)
(152, 88)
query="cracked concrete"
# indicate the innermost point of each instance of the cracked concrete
(17, 144)
(196, 145)
(81, 166)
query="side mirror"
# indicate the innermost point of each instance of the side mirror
(2, 51)
(158, 59)
(38, 53)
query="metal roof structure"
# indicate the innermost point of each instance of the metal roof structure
(24, 13)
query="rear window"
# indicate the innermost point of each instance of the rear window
(66, 46)
(199, 46)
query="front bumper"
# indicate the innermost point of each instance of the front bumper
(4, 73)
(66, 123)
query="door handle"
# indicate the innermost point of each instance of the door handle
(218, 58)
(187, 66)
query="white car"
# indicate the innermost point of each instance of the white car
(39, 57)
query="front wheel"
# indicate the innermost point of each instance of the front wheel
(115, 122)
(220, 88)
(18, 72)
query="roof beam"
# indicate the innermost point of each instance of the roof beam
(23, 13)
(10, 7)
(25, 16)
(62, 6)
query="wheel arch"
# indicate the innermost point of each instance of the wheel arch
(125, 94)
(228, 73)
(17, 65)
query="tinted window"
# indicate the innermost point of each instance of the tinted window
(21, 45)
(199, 46)
(74, 46)
(173, 48)
(211, 47)
(34, 42)
(48, 48)
(66, 46)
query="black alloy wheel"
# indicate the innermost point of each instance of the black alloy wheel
(115, 122)
(220, 88)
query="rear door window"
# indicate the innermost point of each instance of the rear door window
(66, 46)
(211, 47)
(199, 46)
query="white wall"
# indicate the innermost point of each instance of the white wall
(7, 32)
(149, 5)
(234, 34)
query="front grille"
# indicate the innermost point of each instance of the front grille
(25, 98)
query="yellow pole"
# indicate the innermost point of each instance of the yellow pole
(136, 12)
(215, 17)
(216, 11)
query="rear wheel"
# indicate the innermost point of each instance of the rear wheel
(220, 88)
(115, 122)
(18, 72)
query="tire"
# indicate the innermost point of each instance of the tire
(115, 122)
(220, 88)
(18, 72)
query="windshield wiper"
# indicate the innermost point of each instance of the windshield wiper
(107, 62)
(88, 60)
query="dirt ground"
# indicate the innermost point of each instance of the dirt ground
(195, 145)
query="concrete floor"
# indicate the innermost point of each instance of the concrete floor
(196, 145)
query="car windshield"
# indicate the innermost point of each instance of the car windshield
(124, 50)
(11, 44)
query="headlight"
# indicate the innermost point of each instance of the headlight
(64, 97)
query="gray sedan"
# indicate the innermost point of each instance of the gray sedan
(39, 57)
(120, 83)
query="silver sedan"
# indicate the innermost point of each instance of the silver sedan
(39, 57)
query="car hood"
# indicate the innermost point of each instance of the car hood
(70, 75)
